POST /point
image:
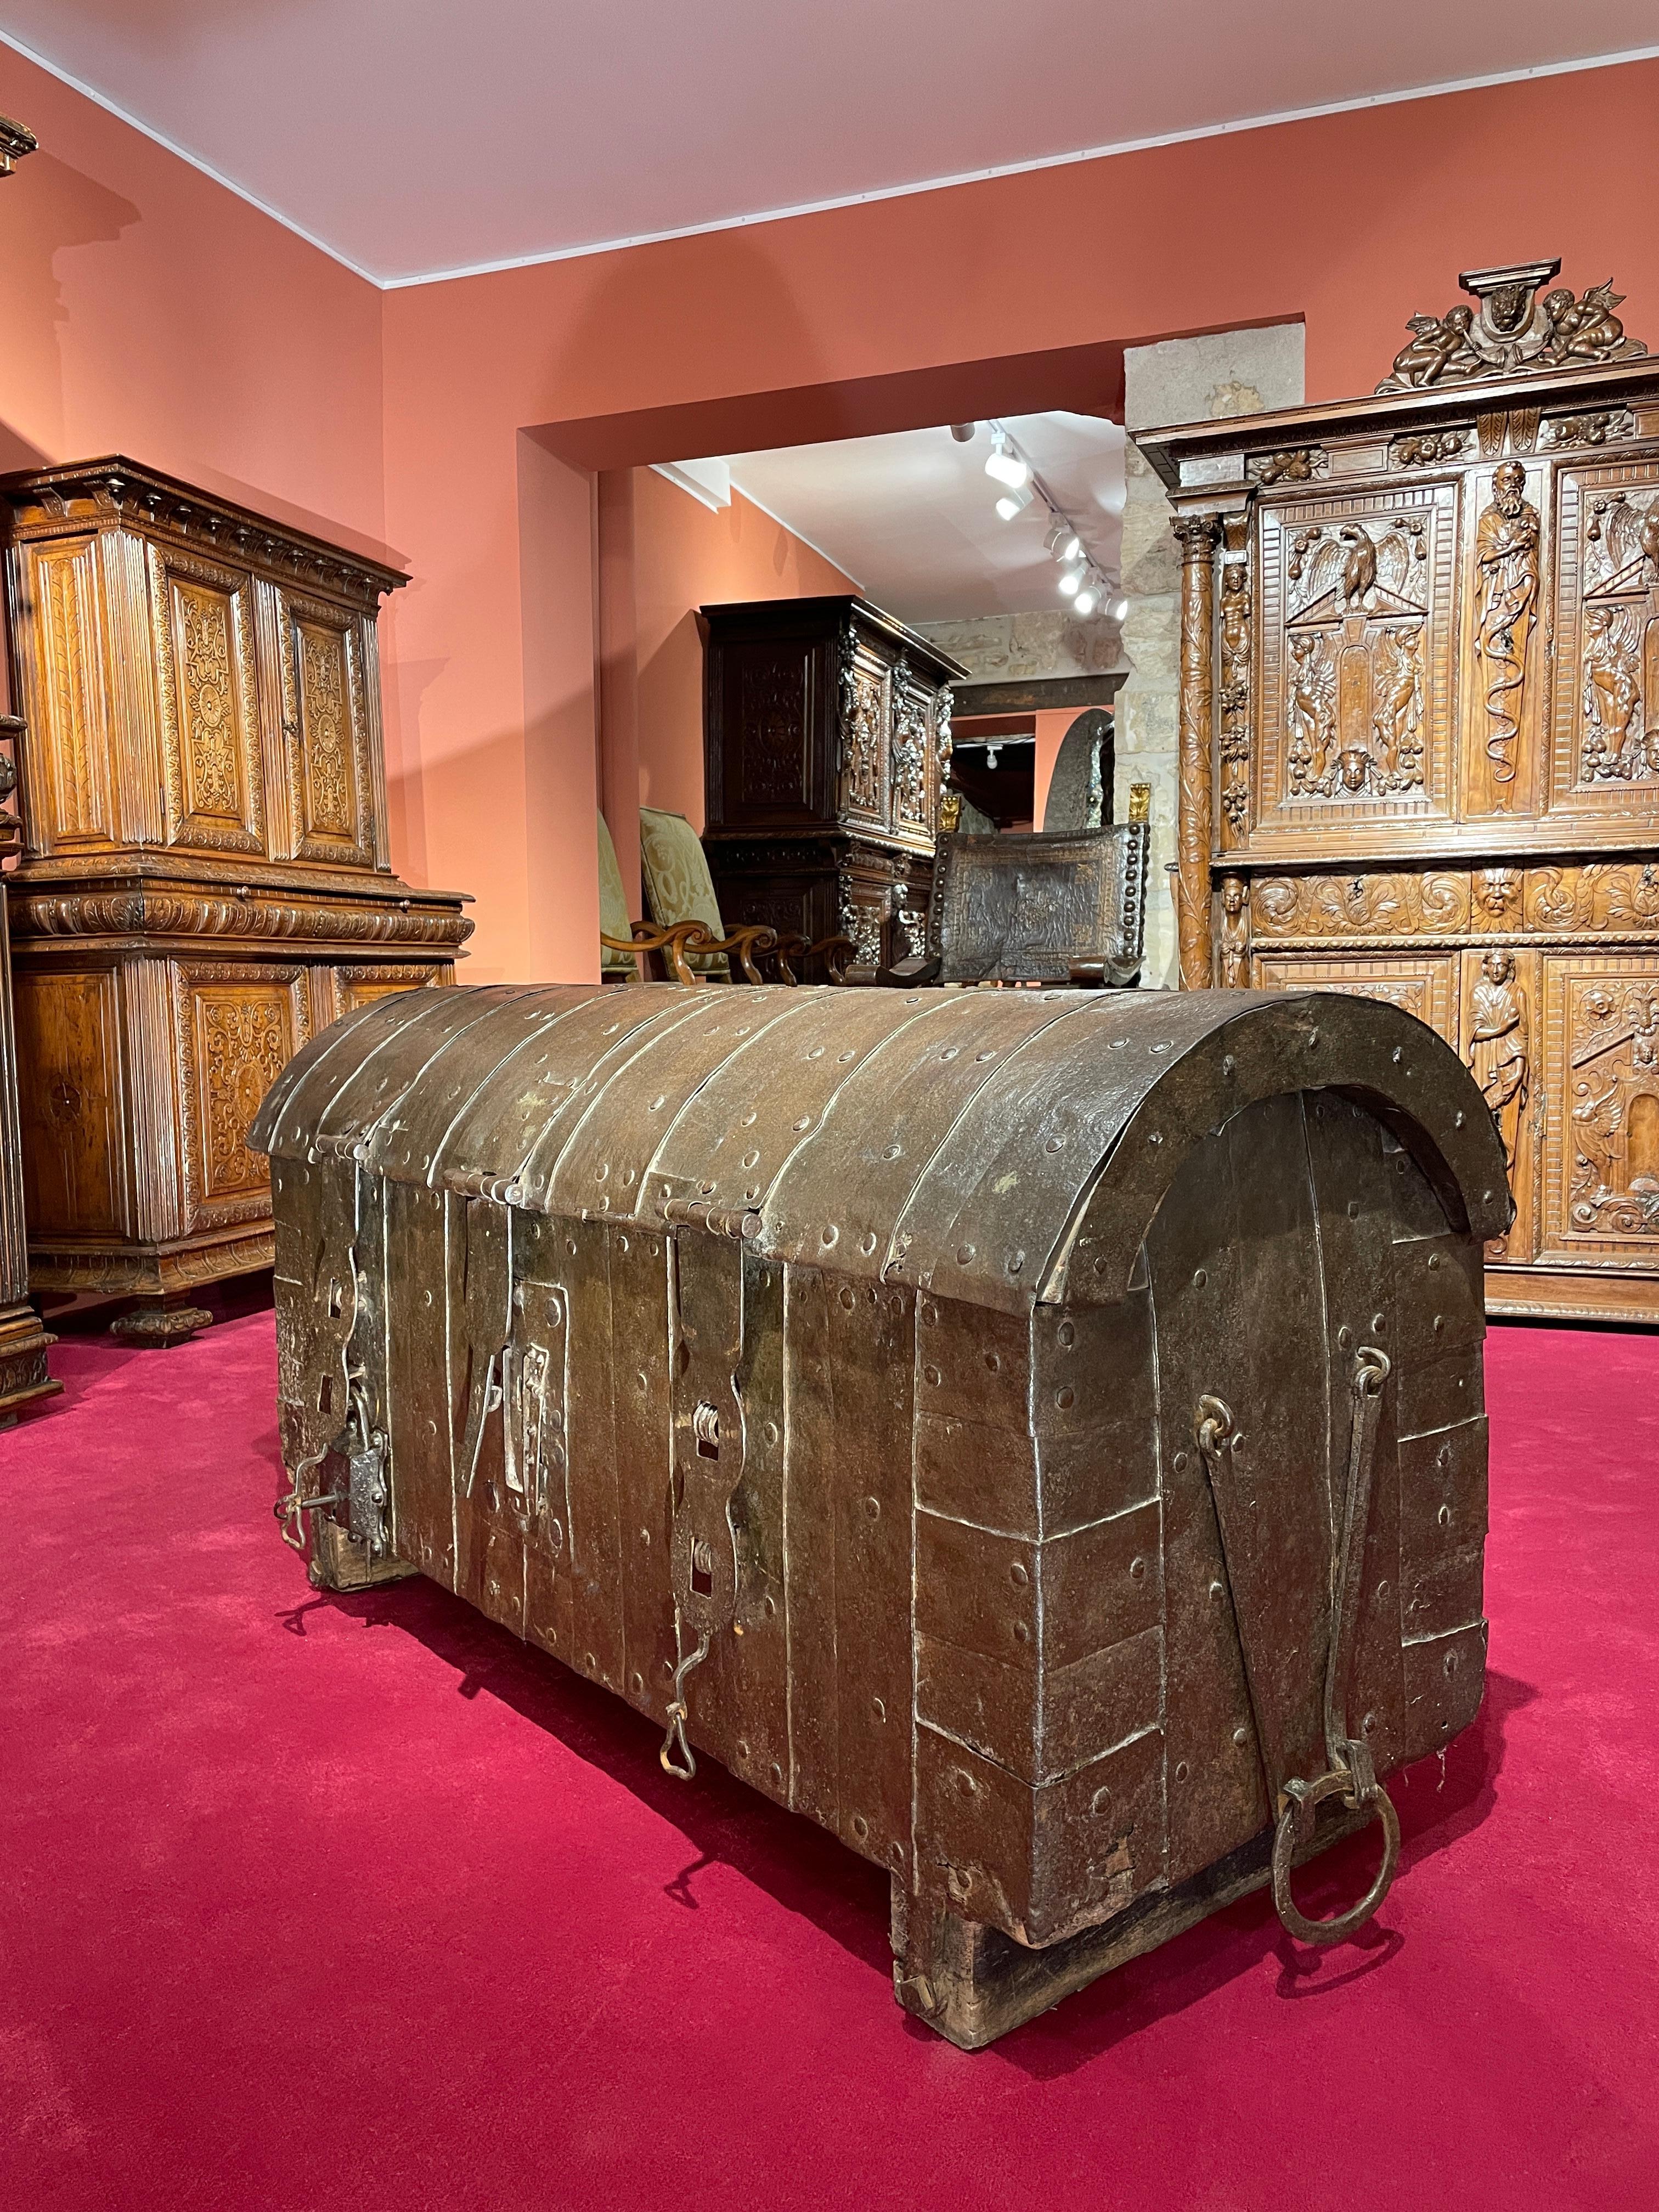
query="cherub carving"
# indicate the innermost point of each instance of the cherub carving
(1439, 350)
(1586, 328)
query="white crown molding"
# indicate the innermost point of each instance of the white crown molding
(827, 206)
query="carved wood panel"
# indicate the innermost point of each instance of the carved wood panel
(1601, 1178)
(1375, 903)
(773, 710)
(1423, 983)
(67, 796)
(204, 621)
(1606, 759)
(1359, 629)
(325, 732)
(238, 1026)
(1504, 659)
(356, 987)
(70, 1064)
(1502, 1045)
(866, 724)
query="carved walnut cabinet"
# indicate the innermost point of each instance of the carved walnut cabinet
(826, 741)
(1419, 740)
(204, 881)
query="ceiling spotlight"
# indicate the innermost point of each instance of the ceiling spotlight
(1087, 599)
(1014, 501)
(1058, 534)
(1118, 610)
(1004, 464)
(1069, 548)
(963, 431)
(1070, 582)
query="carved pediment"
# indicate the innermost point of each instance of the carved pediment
(1511, 328)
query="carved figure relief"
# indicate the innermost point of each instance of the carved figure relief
(862, 718)
(1512, 330)
(1506, 566)
(1498, 1052)
(1235, 934)
(1497, 898)
(1619, 696)
(860, 920)
(1359, 606)
(909, 751)
(1235, 700)
(1614, 1182)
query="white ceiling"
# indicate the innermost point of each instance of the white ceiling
(911, 517)
(418, 137)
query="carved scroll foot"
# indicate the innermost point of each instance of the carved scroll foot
(154, 1327)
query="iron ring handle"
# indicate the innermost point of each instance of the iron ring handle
(1304, 1798)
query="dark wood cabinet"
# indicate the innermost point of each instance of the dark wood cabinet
(24, 1376)
(1419, 740)
(826, 738)
(204, 881)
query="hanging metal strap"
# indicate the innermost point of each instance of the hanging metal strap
(1351, 1771)
(677, 1755)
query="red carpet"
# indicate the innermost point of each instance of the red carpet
(312, 1902)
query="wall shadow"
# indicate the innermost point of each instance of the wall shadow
(808, 1871)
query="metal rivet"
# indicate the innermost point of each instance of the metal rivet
(1379, 1321)
(777, 1772)
(1180, 1462)
(1439, 1323)
(1101, 1798)
(1228, 1065)
(1313, 1039)
(1182, 1770)
(1445, 1516)
(1015, 1263)
(1153, 1137)
(1397, 1055)
(1434, 1262)
(1022, 1633)
(1240, 1737)
(1217, 1591)
(639, 1685)
(878, 1707)
(994, 1361)
(867, 1243)
(872, 1508)
(1382, 1590)
(1345, 1339)
(964, 1254)
(426, 1298)
(966, 1785)
(847, 1297)
(1451, 1662)
(743, 1748)
(1200, 1278)
(1018, 1575)
(931, 1376)
(1457, 1119)
(1066, 1334)
(860, 1825)
(751, 1159)
(1138, 1569)
(768, 1607)
(644, 1538)
(1053, 1145)
(1368, 1724)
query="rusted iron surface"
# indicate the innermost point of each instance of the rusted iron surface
(1037, 1435)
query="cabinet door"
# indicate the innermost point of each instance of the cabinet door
(867, 737)
(73, 1101)
(1358, 635)
(236, 1027)
(202, 619)
(1600, 1071)
(327, 735)
(1607, 634)
(355, 987)
(1422, 983)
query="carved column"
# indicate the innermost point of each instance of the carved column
(23, 1341)
(1196, 535)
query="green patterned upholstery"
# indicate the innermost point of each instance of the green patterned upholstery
(613, 907)
(677, 884)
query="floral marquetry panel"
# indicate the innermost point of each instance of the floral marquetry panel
(239, 1026)
(326, 732)
(204, 620)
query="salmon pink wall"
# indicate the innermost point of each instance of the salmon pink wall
(686, 556)
(149, 312)
(1350, 221)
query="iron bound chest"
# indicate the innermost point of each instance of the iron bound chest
(1037, 1435)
